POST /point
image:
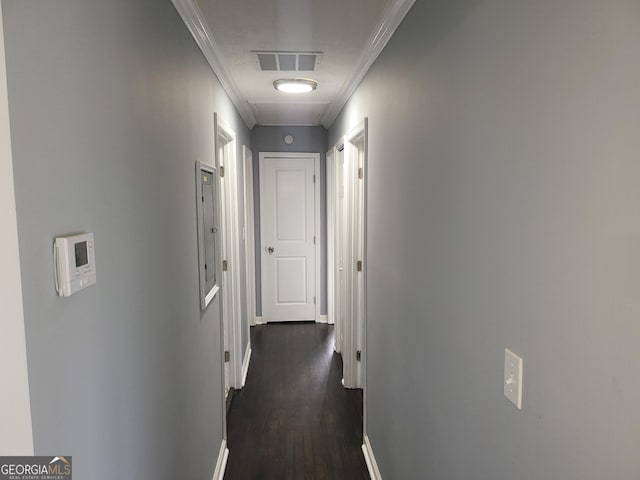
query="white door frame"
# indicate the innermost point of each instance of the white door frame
(330, 198)
(225, 150)
(346, 159)
(335, 272)
(265, 156)
(249, 235)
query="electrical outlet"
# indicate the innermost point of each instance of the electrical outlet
(513, 377)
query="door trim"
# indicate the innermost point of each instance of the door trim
(357, 141)
(354, 150)
(263, 156)
(249, 235)
(230, 300)
(330, 200)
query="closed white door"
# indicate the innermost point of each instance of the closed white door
(287, 218)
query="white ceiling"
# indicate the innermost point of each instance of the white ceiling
(349, 33)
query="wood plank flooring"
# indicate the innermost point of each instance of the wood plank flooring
(293, 419)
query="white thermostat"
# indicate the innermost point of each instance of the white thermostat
(74, 263)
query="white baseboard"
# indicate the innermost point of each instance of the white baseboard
(260, 321)
(323, 319)
(221, 464)
(245, 365)
(372, 465)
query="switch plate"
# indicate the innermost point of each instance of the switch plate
(513, 378)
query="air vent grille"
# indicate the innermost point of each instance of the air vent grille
(267, 62)
(287, 61)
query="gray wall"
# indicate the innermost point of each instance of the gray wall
(504, 192)
(306, 140)
(15, 407)
(111, 103)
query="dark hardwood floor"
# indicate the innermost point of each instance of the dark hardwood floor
(293, 419)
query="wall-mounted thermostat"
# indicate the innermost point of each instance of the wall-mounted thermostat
(74, 263)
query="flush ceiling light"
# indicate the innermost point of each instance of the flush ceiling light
(295, 85)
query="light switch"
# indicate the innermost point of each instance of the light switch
(513, 377)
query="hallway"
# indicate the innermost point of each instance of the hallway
(293, 419)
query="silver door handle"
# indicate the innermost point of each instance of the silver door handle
(270, 250)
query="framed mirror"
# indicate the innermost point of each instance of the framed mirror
(208, 241)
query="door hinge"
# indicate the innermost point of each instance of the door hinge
(222, 170)
(314, 178)
(225, 265)
(314, 299)
(314, 239)
(227, 356)
(360, 173)
(359, 356)
(359, 265)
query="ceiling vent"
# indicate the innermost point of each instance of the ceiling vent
(287, 61)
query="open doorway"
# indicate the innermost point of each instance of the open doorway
(225, 145)
(346, 250)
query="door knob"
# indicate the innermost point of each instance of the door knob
(270, 250)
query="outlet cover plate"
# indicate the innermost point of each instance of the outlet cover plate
(513, 377)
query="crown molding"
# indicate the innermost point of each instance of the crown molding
(193, 18)
(386, 26)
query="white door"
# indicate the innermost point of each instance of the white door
(287, 220)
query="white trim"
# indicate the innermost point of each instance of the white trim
(369, 457)
(15, 403)
(318, 233)
(317, 227)
(249, 234)
(334, 217)
(221, 463)
(323, 319)
(230, 279)
(245, 365)
(260, 320)
(353, 328)
(349, 346)
(380, 36)
(194, 19)
(211, 295)
(365, 258)
(330, 208)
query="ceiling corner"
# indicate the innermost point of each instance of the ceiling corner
(380, 36)
(193, 18)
